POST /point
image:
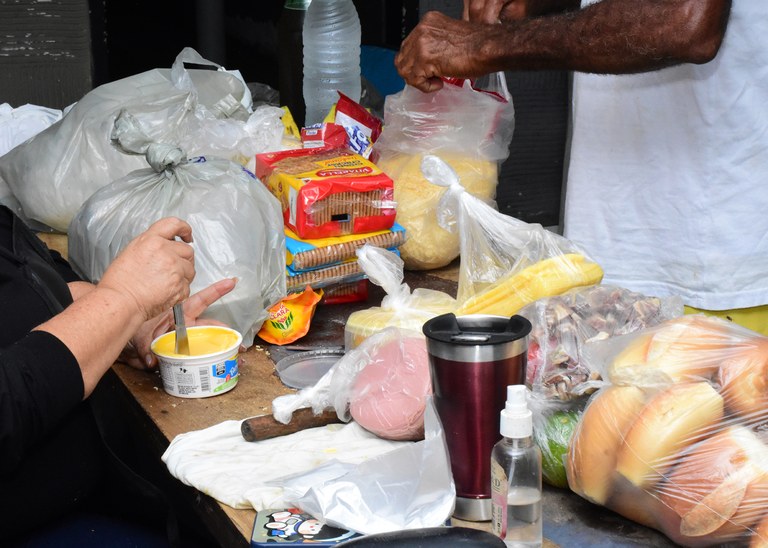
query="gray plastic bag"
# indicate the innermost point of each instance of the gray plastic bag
(237, 226)
(52, 174)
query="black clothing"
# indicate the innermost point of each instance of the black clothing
(58, 453)
(51, 455)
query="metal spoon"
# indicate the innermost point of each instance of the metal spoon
(182, 341)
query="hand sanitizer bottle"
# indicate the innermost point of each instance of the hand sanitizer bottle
(516, 476)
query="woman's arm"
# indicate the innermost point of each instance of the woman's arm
(151, 275)
(611, 36)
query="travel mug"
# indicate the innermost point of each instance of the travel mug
(472, 360)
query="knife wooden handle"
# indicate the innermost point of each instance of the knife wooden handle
(265, 427)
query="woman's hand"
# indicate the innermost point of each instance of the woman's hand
(155, 269)
(137, 352)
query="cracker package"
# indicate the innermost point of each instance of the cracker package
(303, 255)
(328, 192)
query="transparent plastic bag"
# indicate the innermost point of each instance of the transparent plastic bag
(52, 174)
(677, 441)
(469, 125)
(400, 307)
(558, 368)
(382, 384)
(236, 225)
(505, 263)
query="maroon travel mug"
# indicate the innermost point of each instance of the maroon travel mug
(472, 360)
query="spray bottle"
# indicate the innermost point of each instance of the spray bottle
(516, 475)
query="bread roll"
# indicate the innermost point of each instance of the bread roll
(743, 378)
(688, 348)
(673, 419)
(759, 538)
(592, 454)
(719, 489)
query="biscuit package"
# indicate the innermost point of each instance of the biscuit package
(328, 192)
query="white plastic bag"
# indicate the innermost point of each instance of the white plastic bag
(16, 126)
(52, 174)
(236, 225)
(408, 488)
(19, 124)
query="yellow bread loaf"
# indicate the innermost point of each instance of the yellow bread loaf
(545, 278)
(719, 489)
(673, 419)
(592, 453)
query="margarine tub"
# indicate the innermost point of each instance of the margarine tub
(210, 369)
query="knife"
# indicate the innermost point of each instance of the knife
(182, 341)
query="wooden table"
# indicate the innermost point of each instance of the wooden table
(160, 417)
(157, 418)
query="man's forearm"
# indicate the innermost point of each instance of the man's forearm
(612, 36)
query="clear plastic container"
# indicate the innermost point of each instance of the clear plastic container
(331, 56)
(516, 476)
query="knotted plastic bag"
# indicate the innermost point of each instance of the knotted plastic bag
(236, 225)
(505, 263)
(55, 172)
(400, 307)
(382, 384)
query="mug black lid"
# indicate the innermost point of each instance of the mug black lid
(476, 329)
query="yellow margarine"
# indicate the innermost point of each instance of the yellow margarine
(202, 341)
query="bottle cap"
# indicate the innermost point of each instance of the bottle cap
(516, 418)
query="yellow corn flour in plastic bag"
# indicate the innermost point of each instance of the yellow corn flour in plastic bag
(289, 319)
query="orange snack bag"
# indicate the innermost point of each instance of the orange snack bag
(289, 319)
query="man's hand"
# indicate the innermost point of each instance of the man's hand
(442, 46)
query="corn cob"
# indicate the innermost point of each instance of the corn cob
(545, 278)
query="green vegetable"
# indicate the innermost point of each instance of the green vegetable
(553, 439)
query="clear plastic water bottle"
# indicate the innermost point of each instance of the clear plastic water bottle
(516, 476)
(331, 56)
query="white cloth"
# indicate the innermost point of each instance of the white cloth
(220, 463)
(667, 180)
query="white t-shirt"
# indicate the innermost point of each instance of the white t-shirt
(668, 178)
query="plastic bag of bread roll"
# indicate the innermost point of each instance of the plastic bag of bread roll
(467, 124)
(400, 307)
(678, 441)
